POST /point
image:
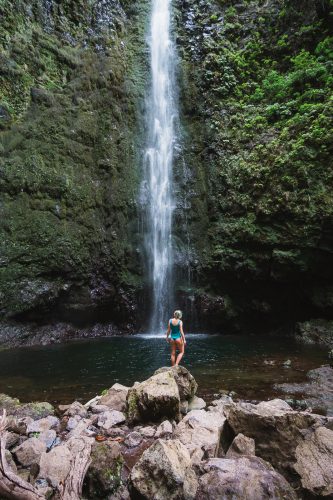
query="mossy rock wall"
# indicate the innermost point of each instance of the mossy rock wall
(256, 83)
(71, 103)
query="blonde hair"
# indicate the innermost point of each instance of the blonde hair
(178, 314)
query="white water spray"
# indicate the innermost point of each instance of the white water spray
(159, 160)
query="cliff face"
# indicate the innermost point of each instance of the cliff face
(72, 83)
(256, 99)
(254, 223)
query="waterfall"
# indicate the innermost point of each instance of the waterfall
(161, 113)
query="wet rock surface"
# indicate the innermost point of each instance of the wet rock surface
(317, 392)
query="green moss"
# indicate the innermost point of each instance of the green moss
(70, 163)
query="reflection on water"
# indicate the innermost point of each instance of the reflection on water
(247, 365)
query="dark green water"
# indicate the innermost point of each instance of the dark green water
(80, 370)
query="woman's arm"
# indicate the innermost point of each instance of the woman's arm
(168, 332)
(182, 332)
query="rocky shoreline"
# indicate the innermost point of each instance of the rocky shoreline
(158, 440)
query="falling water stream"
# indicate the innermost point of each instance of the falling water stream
(161, 111)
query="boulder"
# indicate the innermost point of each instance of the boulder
(21, 410)
(315, 462)
(103, 477)
(72, 422)
(196, 404)
(29, 451)
(76, 408)
(186, 383)
(55, 465)
(200, 431)
(240, 446)
(164, 471)
(43, 424)
(245, 478)
(276, 429)
(317, 390)
(154, 399)
(12, 439)
(110, 418)
(115, 398)
(165, 429)
(48, 437)
(133, 439)
(10, 461)
(148, 432)
(96, 408)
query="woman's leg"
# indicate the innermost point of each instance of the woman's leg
(181, 347)
(173, 352)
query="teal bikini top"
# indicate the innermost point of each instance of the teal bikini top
(175, 329)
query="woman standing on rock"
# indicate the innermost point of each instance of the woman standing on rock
(177, 340)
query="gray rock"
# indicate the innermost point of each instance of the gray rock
(164, 471)
(133, 439)
(12, 440)
(55, 465)
(115, 397)
(154, 399)
(10, 461)
(315, 462)
(73, 422)
(44, 424)
(241, 445)
(186, 383)
(276, 429)
(148, 432)
(318, 389)
(76, 408)
(97, 408)
(48, 438)
(18, 425)
(164, 430)
(200, 431)
(110, 418)
(246, 478)
(104, 474)
(29, 452)
(196, 404)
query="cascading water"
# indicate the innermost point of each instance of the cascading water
(158, 163)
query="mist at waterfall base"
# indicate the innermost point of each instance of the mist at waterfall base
(157, 189)
(249, 365)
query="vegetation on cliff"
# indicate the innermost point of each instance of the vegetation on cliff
(257, 106)
(73, 78)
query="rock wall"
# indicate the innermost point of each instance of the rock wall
(72, 89)
(256, 110)
(253, 225)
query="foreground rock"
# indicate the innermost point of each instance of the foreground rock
(161, 395)
(35, 410)
(115, 398)
(29, 452)
(246, 478)
(200, 431)
(240, 446)
(315, 462)
(104, 474)
(276, 428)
(317, 391)
(164, 471)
